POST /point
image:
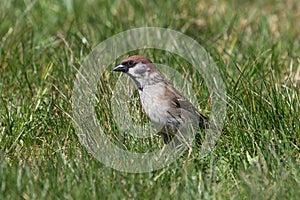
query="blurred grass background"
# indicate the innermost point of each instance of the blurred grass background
(256, 47)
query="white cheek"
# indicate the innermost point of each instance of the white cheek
(132, 73)
(137, 72)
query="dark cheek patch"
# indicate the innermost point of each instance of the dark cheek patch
(140, 71)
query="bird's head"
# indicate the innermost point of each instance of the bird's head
(141, 70)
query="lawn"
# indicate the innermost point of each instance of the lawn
(255, 46)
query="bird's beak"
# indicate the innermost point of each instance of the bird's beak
(121, 68)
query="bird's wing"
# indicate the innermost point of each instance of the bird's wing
(180, 103)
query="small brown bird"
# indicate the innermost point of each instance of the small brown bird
(163, 104)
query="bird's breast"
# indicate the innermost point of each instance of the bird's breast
(154, 105)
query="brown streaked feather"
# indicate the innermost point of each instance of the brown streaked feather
(178, 101)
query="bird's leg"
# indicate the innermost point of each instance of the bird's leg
(166, 135)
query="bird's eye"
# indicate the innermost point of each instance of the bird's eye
(130, 63)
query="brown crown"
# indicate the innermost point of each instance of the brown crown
(137, 58)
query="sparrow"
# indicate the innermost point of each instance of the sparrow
(163, 104)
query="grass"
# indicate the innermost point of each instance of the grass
(256, 47)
